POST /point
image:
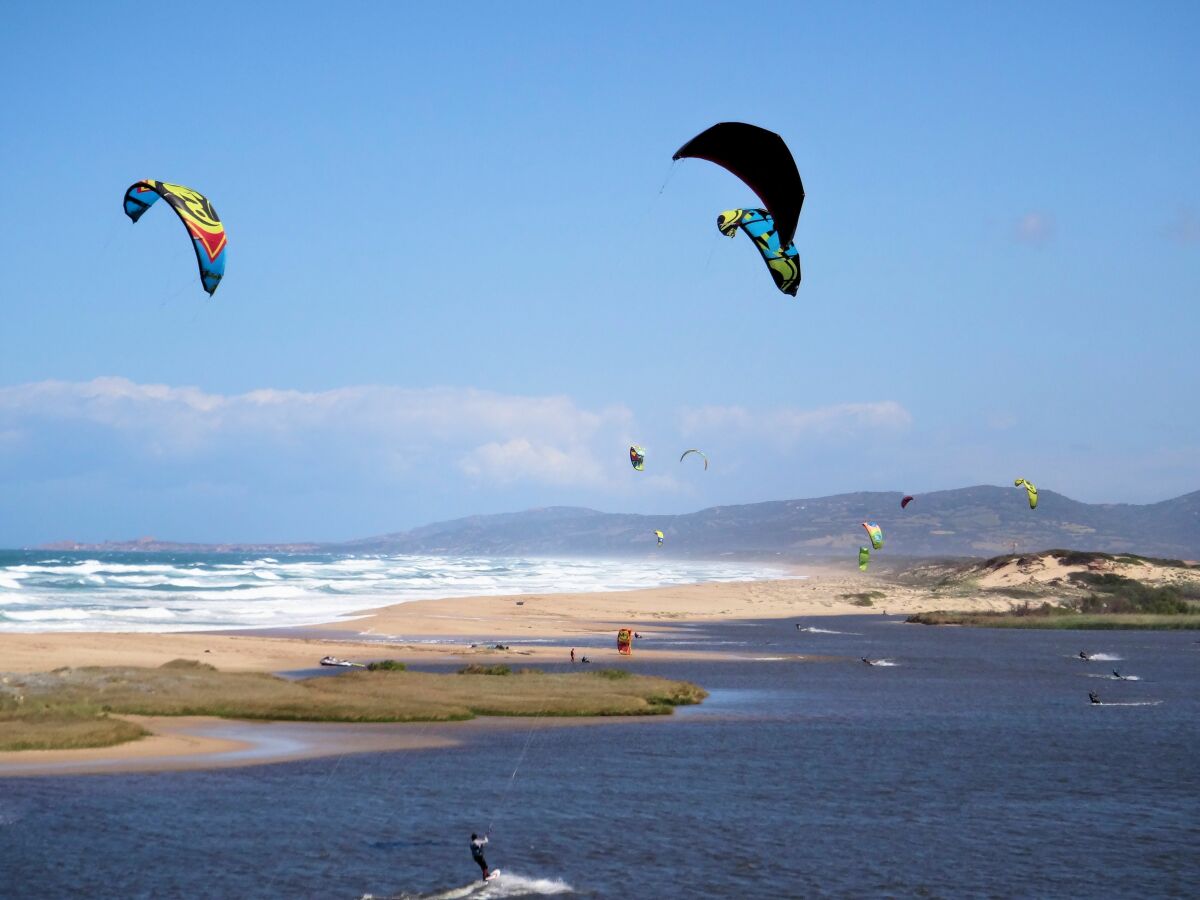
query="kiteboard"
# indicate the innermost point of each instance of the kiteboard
(493, 875)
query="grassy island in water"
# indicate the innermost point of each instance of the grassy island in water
(73, 708)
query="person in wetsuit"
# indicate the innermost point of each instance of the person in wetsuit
(1083, 655)
(477, 843)
(1093, 696)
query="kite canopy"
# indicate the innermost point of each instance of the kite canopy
(637, 457)
(1029, 489)
(701, 455)
(875, 533)
(198, 217)
(907, 500)
(762, 160)
(625, 641)
(783, 261)
(864, 557)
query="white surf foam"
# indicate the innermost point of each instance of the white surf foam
(1129, 703)
(814, 630)
(42, 593)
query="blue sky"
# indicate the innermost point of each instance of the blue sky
(454, 286)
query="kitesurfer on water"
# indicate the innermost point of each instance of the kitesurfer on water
(477, 843)
(867, 661)
(1117, 674)
(1093, 696)
(1083, 654)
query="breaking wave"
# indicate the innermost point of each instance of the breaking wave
(190, 592)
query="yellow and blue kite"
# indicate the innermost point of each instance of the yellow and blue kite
(875, 533)
(784, 262)
(198, 217)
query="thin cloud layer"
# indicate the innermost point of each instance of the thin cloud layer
(788, 425)
(309, 464)
(1184, 227)
(483, 434)
(1035, 228)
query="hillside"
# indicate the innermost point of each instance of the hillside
(976, 521)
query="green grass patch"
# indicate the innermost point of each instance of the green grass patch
(1118, 594)
(1065, 619)
(53, 731)
(193, 664)
(68, 708)
(477, 669)
(863, 598)
(386, 665)
(28, 724)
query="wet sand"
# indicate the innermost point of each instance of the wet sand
(203, 742)
(443, 630)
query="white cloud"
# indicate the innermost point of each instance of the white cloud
(522, 460)
(1184, 227)
(504, 437)
(1001, 421)
(1035, 228)
(788, 425)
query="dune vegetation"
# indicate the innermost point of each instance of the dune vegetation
(77, 707)
(1068, 619)
(1077, 589)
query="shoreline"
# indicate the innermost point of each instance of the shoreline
(189, 743)
(439, 631)
(443, 630)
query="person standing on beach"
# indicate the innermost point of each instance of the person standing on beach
(572, 654)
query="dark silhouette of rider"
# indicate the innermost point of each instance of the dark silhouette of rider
(477, 843)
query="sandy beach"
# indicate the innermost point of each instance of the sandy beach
(419, 631)
(428, 630)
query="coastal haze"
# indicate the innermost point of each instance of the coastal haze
(976, 521)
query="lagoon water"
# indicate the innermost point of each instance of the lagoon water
(81, 591)
(973, 767)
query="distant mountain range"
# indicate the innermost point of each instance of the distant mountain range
(975, 521)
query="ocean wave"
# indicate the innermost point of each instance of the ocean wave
(194, 592)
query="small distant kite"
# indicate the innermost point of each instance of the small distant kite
(875, 533)
(659, 535)
(198, 216)
(864, 557)
(782, 260)
(1029, 489)
(907, 500)
(637, 457)
(700, 453)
